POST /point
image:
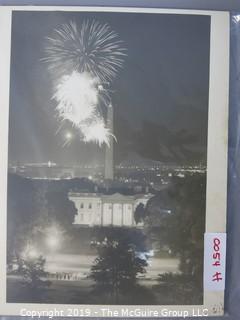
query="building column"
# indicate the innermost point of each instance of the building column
(132, 213)
(122, 214)
(112, 214)
(102, 213)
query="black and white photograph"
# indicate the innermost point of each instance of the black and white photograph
(107, 158)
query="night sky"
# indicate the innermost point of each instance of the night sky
(160, 97)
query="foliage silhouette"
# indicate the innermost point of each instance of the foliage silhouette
(115, 269)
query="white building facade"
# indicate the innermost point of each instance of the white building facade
(96, 209)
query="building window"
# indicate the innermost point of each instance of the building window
(81, 205)
(129, 207)
(110, 206)
(81, 217)
(89, 206)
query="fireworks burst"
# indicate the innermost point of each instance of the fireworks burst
(89, 47)
(97, 132)
(77, 99)
(85, 58)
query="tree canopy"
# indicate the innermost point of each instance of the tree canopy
(176, 217)
(116, 268)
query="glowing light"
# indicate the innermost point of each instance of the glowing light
(53, 237)
(53, 242)
(33, 253)
(68, 135)
(88, 47)
(100, 87)
(30, 253)
(77, 97)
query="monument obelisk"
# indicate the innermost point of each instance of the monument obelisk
(108, 168)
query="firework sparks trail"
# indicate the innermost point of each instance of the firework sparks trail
(97, 132)
(85, 57)
(59, 128)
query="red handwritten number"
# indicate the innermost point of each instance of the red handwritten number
(217, 276)
(216, 255)
(216, 242)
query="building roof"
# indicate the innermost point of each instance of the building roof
(109, 197)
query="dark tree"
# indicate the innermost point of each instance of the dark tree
(115, 270)
(176, 218)
(139, 213)
(60, 208)
(32, 208)
(133, 237)
(33, 273)
(20, 213)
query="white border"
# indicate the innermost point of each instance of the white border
(217, 145)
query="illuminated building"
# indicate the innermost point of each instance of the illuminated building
(95, 209)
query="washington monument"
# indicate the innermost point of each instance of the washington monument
(108, 168)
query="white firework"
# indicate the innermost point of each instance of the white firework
(77, 97)
(97, 132)
(88, 47)
(86, 58)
